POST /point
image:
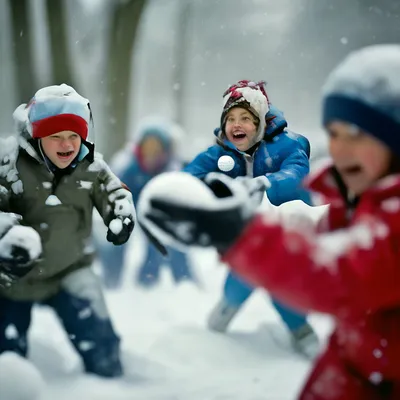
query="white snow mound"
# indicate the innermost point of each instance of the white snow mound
(19, 379)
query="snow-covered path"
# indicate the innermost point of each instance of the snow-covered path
(169, 354)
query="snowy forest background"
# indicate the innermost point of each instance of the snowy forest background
(134, 58)
(174, 58)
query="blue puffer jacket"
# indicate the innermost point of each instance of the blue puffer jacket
(283, 156)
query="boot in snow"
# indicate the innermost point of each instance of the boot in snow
(221, 316)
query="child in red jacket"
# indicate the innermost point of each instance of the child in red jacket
(350, 266)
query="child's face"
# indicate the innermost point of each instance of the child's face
(359, 158)
(152, 152)
(61, 148)
(240, 128)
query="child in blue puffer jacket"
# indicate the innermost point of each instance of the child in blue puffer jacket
(253, 141)
(153, 152)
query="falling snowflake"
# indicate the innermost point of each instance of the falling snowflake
(376, 378)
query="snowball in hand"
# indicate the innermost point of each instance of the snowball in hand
(115, 226)
(21, 236)
(19, 379)
(177, 188)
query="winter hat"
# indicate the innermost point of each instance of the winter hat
(249, 95)
(159, 132)
(167, 131)
(58, 108)
(364, 90)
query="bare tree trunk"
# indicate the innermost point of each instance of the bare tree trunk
(126, 18)
(60, 55)
(180, 68)
(21, 37)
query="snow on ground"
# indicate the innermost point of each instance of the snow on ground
(168, 352)
(19, 378)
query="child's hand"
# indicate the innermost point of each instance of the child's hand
(120, 230)
(217, 223)
(256, 187)
(20, 249)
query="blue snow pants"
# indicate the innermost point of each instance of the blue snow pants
(150, 270)
(112, 260)
(236, 292)
(81, 310)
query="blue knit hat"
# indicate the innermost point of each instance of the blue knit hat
(58, 108)
(364, 90)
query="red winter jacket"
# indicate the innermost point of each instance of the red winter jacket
(350, 269)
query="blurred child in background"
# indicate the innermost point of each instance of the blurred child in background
(155, 150)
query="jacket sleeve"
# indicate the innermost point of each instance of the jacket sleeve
(353, 269)
(4, 196)
(286, 184)
(10, 182)
(205, 162)
(111, 197)
(130, 176)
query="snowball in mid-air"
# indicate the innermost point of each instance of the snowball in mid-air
(19, 379)
(226, 163)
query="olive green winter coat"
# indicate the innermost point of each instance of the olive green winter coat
(61, 213)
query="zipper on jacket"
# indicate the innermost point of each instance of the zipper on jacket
(249, 160)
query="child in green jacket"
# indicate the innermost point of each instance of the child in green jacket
(54, 181)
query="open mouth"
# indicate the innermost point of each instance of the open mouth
(239, 135)
(65, 154)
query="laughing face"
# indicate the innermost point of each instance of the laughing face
(359, 158)
(61, 148)
(241, 128)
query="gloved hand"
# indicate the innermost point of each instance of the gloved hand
(256, 187)
(16, 266)
(20, 249)
(217, 224)
(119, 230)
